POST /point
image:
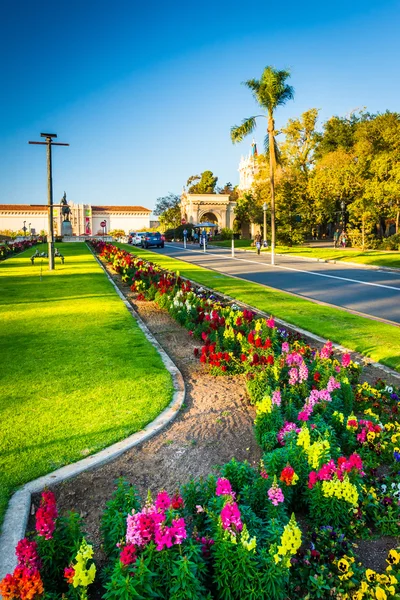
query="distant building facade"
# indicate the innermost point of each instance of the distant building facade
(213, 208)
(247, 169)
(85, 218)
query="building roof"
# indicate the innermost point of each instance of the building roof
(24, 207)
(43, 208)
(120, 209)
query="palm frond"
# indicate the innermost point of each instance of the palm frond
(254, 85)
(238, 132)
(273, 90)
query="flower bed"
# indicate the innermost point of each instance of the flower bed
(7, 250)
(331, 455)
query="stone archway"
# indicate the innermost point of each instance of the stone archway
(217, 208)
(210, 217)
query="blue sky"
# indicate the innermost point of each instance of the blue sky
(146, 93)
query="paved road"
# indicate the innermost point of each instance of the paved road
(366, 291)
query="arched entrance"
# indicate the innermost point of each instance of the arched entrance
(209, 217)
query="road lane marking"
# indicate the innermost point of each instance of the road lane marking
(380, 285)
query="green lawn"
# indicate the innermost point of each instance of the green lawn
(77, 372)
(370, 257)
(379, 341)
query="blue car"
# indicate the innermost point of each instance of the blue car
(152, 239)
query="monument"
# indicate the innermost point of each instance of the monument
(66, 226)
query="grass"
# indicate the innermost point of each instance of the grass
(77, 372)
(378, 341)
(370, 257)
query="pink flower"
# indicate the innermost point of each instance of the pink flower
(303, 372)
(332, 384)
(46, 515)
(312, 479)
(275, 494)
(326, 351)
(293, 376)
(270, 322)
(285, 347)
(276, 398)
(27, 555)
(346, 360)
(223, 487)
(303, 416)
(230, 517)
(163, 501)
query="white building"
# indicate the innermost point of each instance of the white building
(247, 169)
(85, 218)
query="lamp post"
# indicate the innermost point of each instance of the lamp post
(265, 207)
(50, 235)
(343, 206)
(24, 229)
(29, 228)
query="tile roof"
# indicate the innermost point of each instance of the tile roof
(24, 207)
(120, 209)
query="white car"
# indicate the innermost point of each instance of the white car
(137, 238)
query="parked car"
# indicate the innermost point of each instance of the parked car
(137, 238)
(152, 239)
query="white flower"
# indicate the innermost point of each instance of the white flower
(389, 389)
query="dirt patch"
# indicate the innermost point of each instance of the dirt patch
(214, 425)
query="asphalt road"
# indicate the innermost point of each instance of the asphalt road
(369, 292)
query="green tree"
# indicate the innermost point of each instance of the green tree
(168, 209)
(205, 183)
(270, 92)
(301, 139)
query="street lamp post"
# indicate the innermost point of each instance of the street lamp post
(265, 207)
(24, 229)
(343, 206)
(50, 235)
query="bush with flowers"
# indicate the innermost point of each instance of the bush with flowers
(331, 451)
(7, 250)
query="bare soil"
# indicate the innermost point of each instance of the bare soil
(214, 425)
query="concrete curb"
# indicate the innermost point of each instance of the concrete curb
(16, 518)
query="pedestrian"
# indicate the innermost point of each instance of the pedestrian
(203, 238)
(185, 235)
(257, 240)
(344, 239)
(336, 236)
(195, 236)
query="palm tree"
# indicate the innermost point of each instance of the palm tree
(270, 91)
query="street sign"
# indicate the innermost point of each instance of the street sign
(103, 223)
(183, 221)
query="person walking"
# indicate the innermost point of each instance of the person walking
(257, 240)
(344, 239)
(336, 236)
(185, 233)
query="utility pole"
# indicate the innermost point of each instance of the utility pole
(50, 235)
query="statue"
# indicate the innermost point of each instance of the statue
(65, 210)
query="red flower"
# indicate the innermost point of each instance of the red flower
(250, 337)
(270, 359)
(243, 357)
(317, 376)
(69, 573)
(128, 555)
(223, 368)
(258, 342)
(267, 343)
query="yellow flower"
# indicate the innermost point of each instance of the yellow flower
(380, 594)
(265, 406)
(343, 565)
(303, 439)
(370, 575)
(393, 557)
(249, 544)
